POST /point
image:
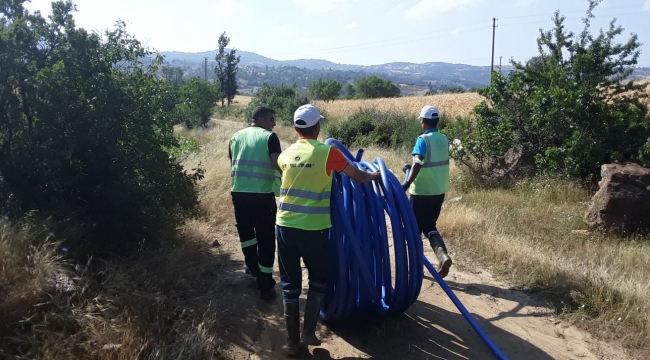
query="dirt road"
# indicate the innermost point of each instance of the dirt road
(432, 329)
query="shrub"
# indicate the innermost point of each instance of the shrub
(284, 99)
(375, 127)
(198, 99)
(571, 108)
(325, 89)
(83, 130)
(372, 87)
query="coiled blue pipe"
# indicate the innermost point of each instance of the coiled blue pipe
(362, 282)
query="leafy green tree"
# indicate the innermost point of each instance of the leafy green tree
(349, 91)
(284, 99)
(572, 108)
(372, 87)
(325, 89)
(198, 99)
(84, 125)
(226, 69)
(173, 75)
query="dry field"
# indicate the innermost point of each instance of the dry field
(242, 100)
(450, 104)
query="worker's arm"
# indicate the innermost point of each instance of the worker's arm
(415, 170)
(274, 161)
(361, 176)
(274, 151)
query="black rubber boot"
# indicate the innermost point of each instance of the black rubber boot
(312, 309)
(438, 245)
(292, 322)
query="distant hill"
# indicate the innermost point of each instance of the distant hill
(257, 69)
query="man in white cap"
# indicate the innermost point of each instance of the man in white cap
(303, 221)
(428, 182)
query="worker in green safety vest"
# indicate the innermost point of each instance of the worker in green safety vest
(303, 222)
(255, 175)
(428, 182)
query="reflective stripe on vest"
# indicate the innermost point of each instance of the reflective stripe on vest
(252, 171)
(306, 187)
(306, 194)
(433, 178)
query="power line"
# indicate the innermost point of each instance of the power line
(383, 43)
(568, 12)
(410, 39)
(573, 18)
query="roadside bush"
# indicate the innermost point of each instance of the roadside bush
(374, 87)
(197, 101)
(571, 109)
(84, 128)
(284, 99)
(375, 127)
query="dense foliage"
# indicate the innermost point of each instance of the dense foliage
(572, 108)
(381, 128)
(84, 129)
(325, 89)
(284, 99)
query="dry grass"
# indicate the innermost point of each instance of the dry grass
(159, 304)
(242, 100)
(450, 104)
(599, 282)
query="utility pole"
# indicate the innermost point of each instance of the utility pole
(500, 57)
(494, 27)
(206, 68)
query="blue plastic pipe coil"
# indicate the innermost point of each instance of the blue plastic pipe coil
(362, 282)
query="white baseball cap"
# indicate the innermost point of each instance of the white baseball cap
(306, 116)
(430, 112)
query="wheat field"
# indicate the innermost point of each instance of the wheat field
(449, 104)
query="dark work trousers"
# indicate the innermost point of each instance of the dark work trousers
(313, 247)
(255, 217)
(427, 210)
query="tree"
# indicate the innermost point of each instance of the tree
(84, 125)
(349, 91)
(571, 108)
(371, 87)
(173, 75)
(325, 89)
(198, 99)
(284, 99)
(226, 69)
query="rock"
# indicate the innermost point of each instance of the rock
(59, 282)
(580, 232)
(514, 165)
(622, 202)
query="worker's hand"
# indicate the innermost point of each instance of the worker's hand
(406, 167)
(406, 186)
(376, 175)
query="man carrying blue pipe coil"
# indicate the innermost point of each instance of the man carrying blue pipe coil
(303, 221)
(428, 181)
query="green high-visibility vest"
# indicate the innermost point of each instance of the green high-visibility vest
(433, 178)
(252, 171)
(306, 186)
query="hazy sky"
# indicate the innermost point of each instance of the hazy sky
(357, 31)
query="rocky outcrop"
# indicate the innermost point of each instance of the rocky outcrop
(622, 202)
